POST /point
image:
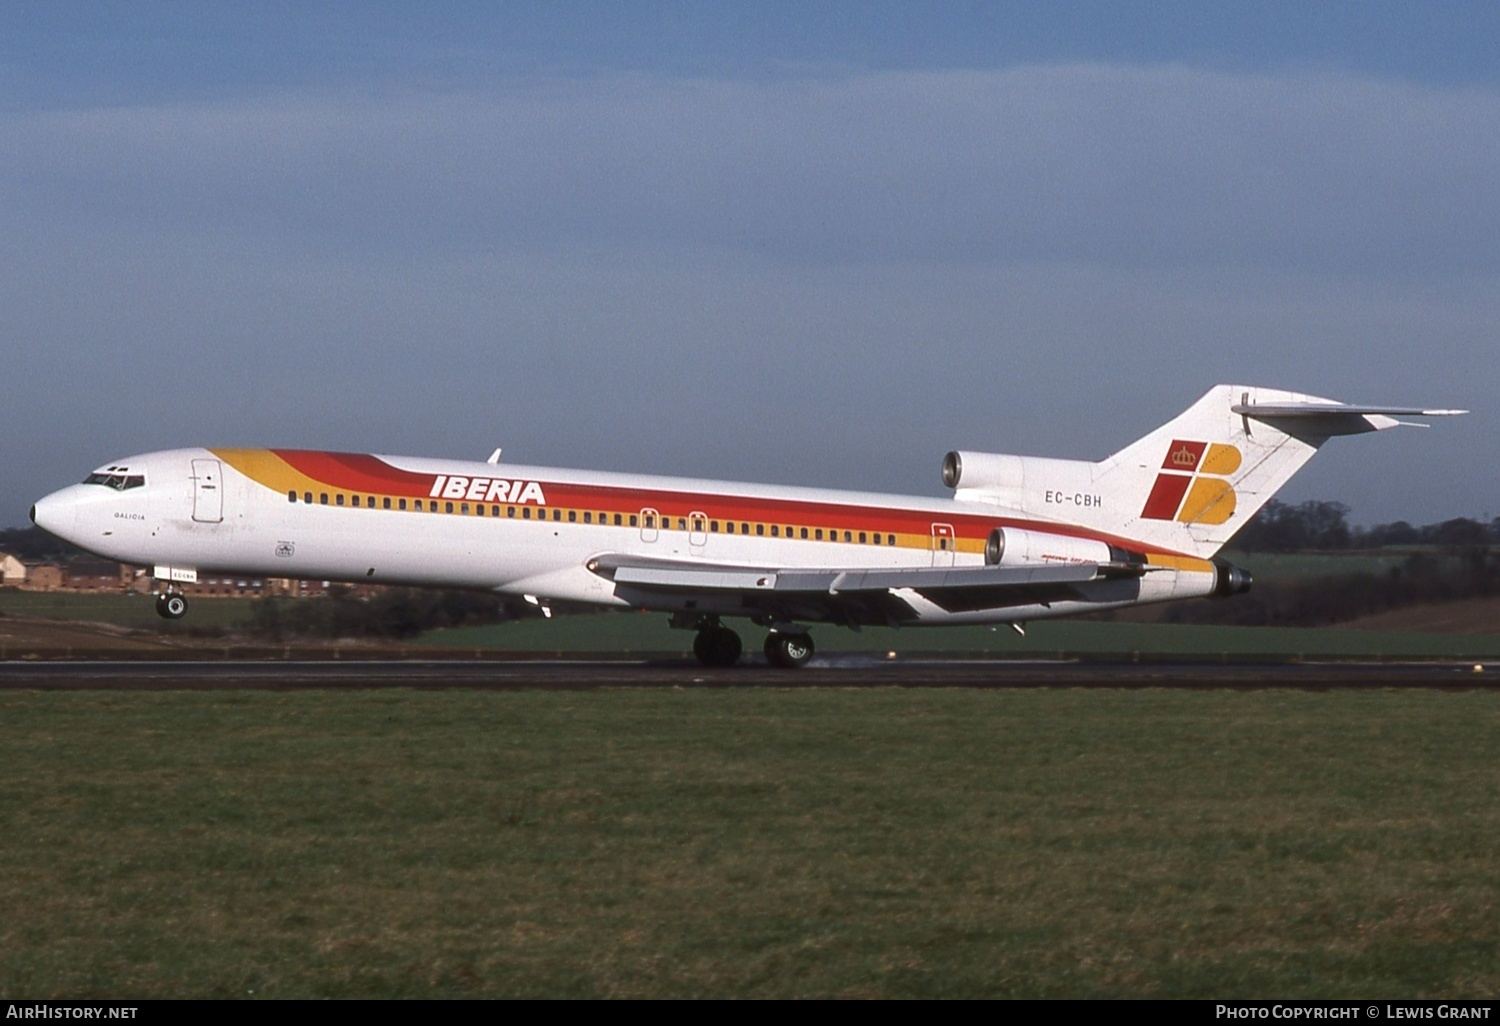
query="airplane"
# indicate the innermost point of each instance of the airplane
(1022, 538)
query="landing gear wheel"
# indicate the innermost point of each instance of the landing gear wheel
(171, 607)
(788, 651)
(717, 646)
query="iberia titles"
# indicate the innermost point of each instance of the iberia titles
(487, 489)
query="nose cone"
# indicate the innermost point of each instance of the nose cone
(57, 513)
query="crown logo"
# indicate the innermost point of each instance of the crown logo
(1184, 457)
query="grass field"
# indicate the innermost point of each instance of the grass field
(750, 842)
(124, 610)
(649, 634)
(635, 634)
(1275, 567)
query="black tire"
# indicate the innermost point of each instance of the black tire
(788, 651)
(171, 607)
(717, 646)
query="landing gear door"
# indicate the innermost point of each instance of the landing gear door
(208, 491)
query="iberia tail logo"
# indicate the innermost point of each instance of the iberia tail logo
(1193, 484)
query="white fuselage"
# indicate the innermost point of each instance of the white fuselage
(539, 531)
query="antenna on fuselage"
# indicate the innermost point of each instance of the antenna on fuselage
(494, 457)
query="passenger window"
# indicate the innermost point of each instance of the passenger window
(338, 500)
(307, 498)
(462, 509)
(760, 529)
(557, 514)
(525, 512)
(386, 502)
(479, 509)
(633, 518)
(291, 496)
(510, 512)
(818, 534)
(848, 537)
(401, 503)
(861, 537)
(322, 498)
(876, 537)
(804, 533)
(775, 531)
(494, 511)
(681, 524)
(890, 539)
(744, 529)
(729, 527)
(572, 516)
(617, 520)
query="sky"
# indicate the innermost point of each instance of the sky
(806, 243)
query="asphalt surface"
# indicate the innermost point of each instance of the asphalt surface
(840, 673)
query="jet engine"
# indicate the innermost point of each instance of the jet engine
(1015, 546)
(986, 470)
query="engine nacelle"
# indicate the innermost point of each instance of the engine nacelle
(987, 470)
(1021, 482)
(1015, 546)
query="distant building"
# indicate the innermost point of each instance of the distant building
(44, 577)
(90, 575)
(12, 571)
(96, 575)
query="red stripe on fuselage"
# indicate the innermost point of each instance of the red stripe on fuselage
(363, 473)
(356, 472)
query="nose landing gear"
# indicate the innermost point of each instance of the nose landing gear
(171, 606)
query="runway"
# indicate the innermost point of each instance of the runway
(504, 675)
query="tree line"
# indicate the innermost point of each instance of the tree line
(1316, 526)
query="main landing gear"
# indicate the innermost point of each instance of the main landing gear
(788, 650)
(171, 606)
(717, 645)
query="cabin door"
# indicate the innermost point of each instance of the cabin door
(944, 544)
(208, 491)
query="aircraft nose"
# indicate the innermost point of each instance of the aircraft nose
(55, 514)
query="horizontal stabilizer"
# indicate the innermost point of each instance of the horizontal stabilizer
(1327, 419)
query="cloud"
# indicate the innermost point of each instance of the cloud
(823, 279)
(1099, 164)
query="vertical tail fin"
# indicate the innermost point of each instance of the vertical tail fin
(1192, 483)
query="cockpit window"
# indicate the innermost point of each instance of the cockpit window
(119, 482)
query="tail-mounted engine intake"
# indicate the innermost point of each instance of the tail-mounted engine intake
(1230, 579)
(1022, 482)
(988, 470)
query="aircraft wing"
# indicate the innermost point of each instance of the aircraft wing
(854, 594)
